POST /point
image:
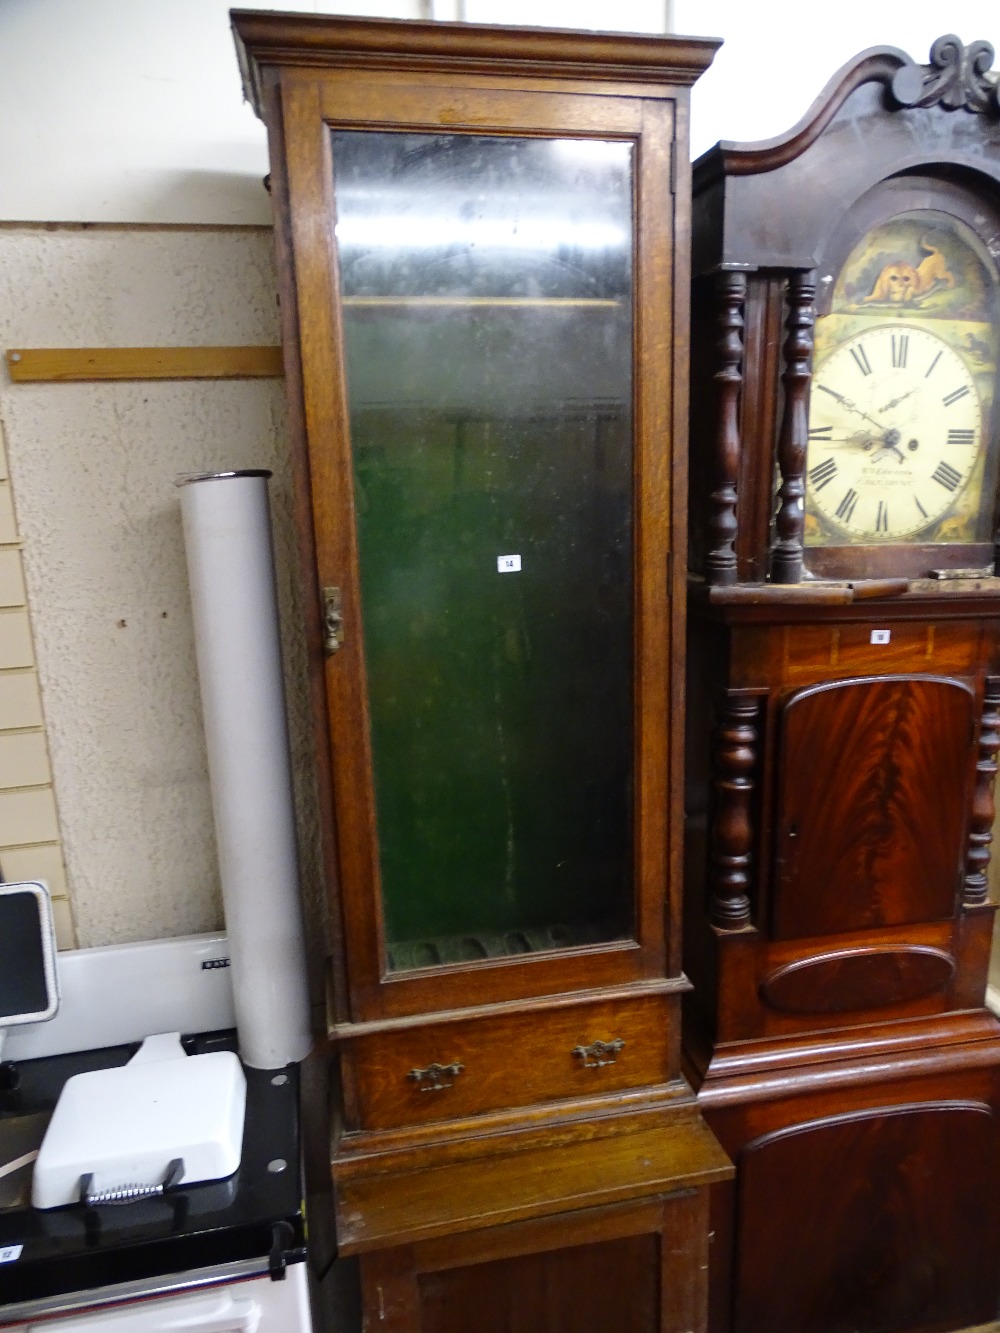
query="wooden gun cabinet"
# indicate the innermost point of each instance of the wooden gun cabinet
(483, 248)
(844, 678)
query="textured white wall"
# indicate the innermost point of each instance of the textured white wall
(93, 467)
(132, 110)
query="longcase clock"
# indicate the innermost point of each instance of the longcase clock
(844, 702)
(482, 237)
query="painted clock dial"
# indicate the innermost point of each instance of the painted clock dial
(895, 430)
(903, 441)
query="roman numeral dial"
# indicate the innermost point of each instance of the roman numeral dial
(895, 439)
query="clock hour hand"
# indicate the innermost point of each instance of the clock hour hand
(896, 401)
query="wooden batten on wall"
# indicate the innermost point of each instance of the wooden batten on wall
(33, 365)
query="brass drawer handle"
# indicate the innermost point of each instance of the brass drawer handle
(599, 1053)
(432, 1079)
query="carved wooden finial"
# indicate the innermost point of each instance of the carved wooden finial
(959, 77)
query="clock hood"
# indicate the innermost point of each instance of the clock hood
(881, 116)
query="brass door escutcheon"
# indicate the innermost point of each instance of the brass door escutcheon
(432, 1079)
(599, 1053)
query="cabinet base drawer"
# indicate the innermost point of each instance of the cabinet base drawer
(447, 1070)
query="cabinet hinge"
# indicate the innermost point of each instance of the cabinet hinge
(333, 621)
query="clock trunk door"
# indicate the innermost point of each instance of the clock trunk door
(873, 784)
(493, 506)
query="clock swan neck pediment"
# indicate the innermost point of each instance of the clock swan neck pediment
(957, 77)
(730, 157)
(925, 116)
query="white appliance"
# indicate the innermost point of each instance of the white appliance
(109, 997)
(250, 1305)
(29, 980)
(164, 1119)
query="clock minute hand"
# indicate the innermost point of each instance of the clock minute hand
(851, 407)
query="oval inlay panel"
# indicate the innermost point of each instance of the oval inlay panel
(851, 979)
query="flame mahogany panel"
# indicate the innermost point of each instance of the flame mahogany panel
(882, 1245)
(870, 829)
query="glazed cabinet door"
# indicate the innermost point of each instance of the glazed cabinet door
(486, 309)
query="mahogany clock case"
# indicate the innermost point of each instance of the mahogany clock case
(844, 703)
(483, 240)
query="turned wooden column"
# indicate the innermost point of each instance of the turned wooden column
(720, 560)
(731, 845)
(977, 856)
(786, 554)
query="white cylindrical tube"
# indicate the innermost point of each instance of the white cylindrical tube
(227, 534)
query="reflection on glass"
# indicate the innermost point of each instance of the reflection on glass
(487, 293)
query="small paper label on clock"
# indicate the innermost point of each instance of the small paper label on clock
(509, 564)
(10, 1253)
(881, 635)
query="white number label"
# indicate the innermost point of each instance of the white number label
(509, 564)
(881, 635)
(10, 1253)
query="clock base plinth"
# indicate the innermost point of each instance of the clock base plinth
(867, 1193)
